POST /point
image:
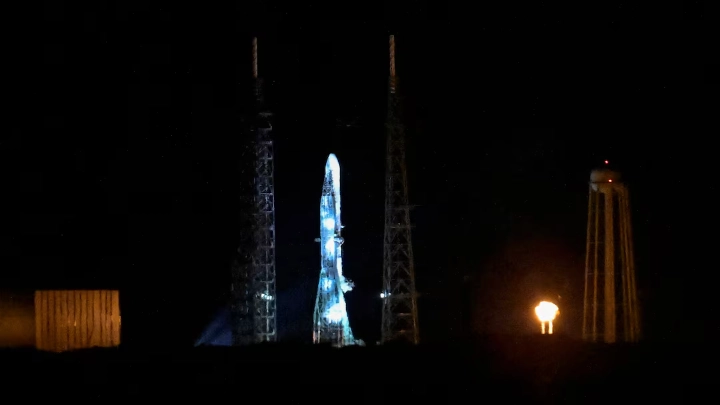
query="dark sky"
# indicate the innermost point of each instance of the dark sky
(120, 164)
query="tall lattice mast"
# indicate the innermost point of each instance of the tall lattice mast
(264, 259)
(400, 315)
(611, 308)
(254, 294)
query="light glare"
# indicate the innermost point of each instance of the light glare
(336, 313)
(546, 313)
(329, 223)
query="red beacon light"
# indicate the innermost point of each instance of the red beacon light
(606, 162)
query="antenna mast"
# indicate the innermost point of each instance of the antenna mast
(400, 315)
(255, 59)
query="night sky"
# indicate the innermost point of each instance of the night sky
(121, 158)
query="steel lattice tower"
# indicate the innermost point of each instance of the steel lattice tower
(254, 280)
(400, 315)
(609, 263)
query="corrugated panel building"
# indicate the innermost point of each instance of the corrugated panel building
(76, 319)
(60, 320)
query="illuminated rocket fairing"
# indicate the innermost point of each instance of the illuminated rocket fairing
(330, 320)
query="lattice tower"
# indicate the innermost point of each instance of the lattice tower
(254, 280)
(400, 314)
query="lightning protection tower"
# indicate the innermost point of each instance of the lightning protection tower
(610, 309)
(400, 315)
(254, 281)
(330, 319)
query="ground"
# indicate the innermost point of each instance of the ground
(548, 369)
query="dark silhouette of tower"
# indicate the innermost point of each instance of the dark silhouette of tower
(610, 309)
(400, 315)
(254, 307)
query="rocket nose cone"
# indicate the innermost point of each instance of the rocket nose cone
(332, 163)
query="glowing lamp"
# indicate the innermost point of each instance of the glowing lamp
(336, 312)
(329, 223)
(609, 180)
(546, 313)
(606, 162)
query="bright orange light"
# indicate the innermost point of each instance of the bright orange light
(610, 181)
(546, 312)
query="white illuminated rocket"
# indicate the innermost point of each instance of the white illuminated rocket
(330, 320)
